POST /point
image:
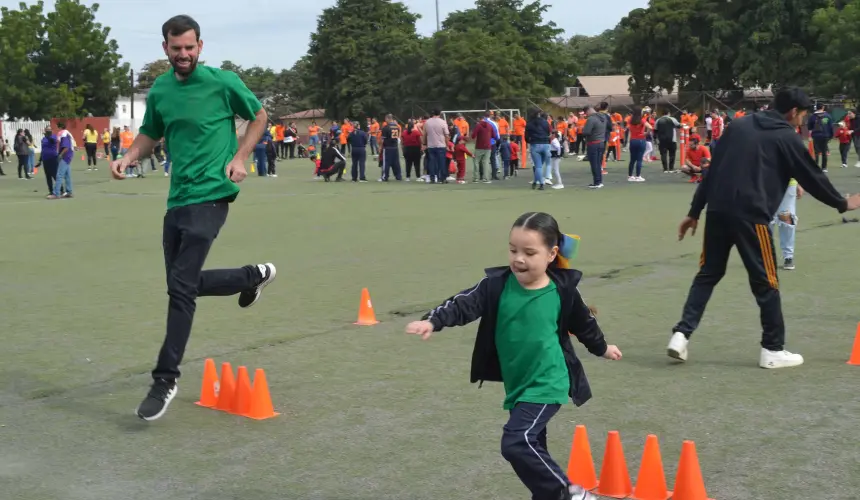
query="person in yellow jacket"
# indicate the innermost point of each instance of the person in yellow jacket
(91, 145)
(106, 143)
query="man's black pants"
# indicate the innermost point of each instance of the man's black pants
(188, 235)
(524, 446)
(755, 245)
(50, 166)
(821, 147)
(668, 149)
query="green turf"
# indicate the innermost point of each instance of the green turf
(369, 413)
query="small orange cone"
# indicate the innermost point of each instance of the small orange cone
(651, 483)
(366, 316)
(242, 399)
(614, 478)
(855, 352)
(83, 158)
(689, 484)
(226, 388)
(261, 401)
(209, 390)
(580, 466)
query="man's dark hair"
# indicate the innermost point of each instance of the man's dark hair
(435, 112)
(791, 98)
(603, 106)
(178, 25)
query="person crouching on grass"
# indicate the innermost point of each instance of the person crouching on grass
(331, 163)
(526, 310)
(696, 154)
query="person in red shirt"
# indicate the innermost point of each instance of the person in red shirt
(411, 142)
(716, 128)
(695, 154)
(843, 135)
(515, 158)
(460, 154)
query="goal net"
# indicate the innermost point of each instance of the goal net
(473, 116)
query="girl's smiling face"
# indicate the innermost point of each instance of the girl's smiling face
(528, 255)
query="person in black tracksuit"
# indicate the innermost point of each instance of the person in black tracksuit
(748, 177)
(332, 162)
(390, 149)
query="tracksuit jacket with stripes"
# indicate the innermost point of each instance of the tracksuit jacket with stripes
(482, 301)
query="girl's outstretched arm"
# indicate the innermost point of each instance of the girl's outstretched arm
(583, 325)
(461, 309)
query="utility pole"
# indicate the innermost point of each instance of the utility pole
(438, 26)
(132, 100)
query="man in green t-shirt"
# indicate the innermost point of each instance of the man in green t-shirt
(193, 108)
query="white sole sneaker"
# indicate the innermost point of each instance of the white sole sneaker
(677, 348)
(271, 273)
(779, 359)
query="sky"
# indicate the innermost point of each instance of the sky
(276, 33)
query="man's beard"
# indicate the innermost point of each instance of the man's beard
(184, 71)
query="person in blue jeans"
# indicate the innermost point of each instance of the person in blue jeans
(260, 156)
(64, 169)
(357, 141)
(786, 218)
(638, 129)
(537, 137)
(594, 132)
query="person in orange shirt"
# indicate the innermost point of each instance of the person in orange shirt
(504, 126)
(348, 128)
(694, 166)
(373, 130)
(580, 137)
(280, 145)
(313, 138)
(519, 128)
(561, 128)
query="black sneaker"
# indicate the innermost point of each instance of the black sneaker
(267, 275)
(788, 265)
(156, 402)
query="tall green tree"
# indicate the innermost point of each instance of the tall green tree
(515, 22)
(839, 49)
(594, 55)
(363, 56)
(150, 71)
(21, 34)
(78, 52)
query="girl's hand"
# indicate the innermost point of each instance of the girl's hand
(423, 328)
(612, 352)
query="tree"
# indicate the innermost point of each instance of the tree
(231, 66)
(839, 54)
(150, 71)
(594, 54)
(77, 51)
(513, 22)
(362, 57)
(59, 63)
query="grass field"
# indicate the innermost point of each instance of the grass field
(367, 412)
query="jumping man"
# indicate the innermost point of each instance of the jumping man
(193, 108)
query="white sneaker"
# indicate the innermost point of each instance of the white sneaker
(558, 186)
(579, 493)
(677, 347)
(779, 359)
(857, 165)
(632, 178)
(640, 179)
(548, 182)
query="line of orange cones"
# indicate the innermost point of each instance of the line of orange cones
(236, 395)
(651, 484)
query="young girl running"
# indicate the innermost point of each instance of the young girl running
(527, 309)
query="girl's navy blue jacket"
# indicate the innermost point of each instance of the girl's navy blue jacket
(482, 301)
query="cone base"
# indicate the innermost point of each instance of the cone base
(853, 363)
(273, 415)
(607, 495)
(650, 497)
(366, 323)
(198, 403)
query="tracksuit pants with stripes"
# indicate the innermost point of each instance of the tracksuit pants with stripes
(524, 446)
(755, 246)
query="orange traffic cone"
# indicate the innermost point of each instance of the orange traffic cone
(226, 388)
(242, 399)
(366, 316)
(855, 352)
(651, 483)
(614, 478)
(689, 484)
(580, 466)
(83, 158)
(261, 402)
(209, 390)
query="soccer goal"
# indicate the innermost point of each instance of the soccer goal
(473, 116)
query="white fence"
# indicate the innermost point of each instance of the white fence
(36, 128)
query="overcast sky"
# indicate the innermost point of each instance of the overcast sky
(275, 33)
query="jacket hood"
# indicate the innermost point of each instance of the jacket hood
(770, 120)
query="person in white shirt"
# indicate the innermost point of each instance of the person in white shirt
(556, 152)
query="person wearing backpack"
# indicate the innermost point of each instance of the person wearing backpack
(820, 127)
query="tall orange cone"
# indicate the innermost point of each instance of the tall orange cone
(614, 478)
(366, 316)
(580, 466)
(242, 399)
(651, 483)
(226, 388)
(209, 389)
(689, 484)
(855, 352)
(261, 401)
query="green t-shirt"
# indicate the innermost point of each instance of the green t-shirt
(530, 354)
(196, 117)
